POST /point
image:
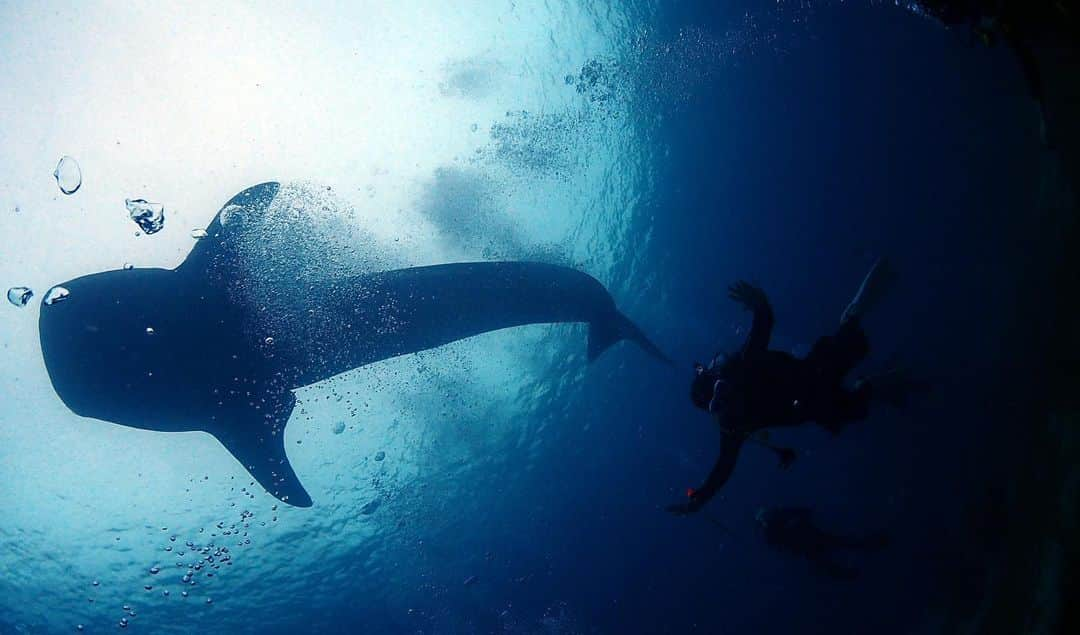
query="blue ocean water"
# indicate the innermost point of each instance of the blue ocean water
(501, 483)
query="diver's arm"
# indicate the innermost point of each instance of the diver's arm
(721, 472)
(755, 300)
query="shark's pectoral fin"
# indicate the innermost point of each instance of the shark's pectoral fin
(259, 444)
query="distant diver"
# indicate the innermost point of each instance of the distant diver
(185, 349)
(757, 388)
(791, 530)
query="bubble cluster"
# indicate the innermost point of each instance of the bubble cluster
(199, 561)
(468, 209)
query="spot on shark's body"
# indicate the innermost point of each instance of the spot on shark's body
(210, 365)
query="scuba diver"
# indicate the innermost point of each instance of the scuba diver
(757, 388)
(792, 530)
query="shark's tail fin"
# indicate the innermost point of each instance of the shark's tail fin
(603, 334)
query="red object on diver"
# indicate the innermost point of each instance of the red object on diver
(690, 492)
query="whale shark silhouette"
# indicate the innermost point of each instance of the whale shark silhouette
(184, 349)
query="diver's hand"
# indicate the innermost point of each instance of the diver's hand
(748, 295)
(689, 507)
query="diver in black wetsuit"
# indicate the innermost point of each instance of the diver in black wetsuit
(759, 388)
(791, 530)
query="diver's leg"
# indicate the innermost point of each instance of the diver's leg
(877, 282)
(834, 356)
(843, 407)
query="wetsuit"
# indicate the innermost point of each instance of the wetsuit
(760, 388)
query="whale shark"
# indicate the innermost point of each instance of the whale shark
(185, 349)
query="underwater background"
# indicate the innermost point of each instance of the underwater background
(501, 483)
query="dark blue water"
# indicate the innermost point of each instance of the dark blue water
(524, 491)
(874, 134)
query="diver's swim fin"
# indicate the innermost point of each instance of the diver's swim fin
(603, 334)
(875, 285)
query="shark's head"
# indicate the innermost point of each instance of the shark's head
(102, 345)
(133, 346)
(167, 350)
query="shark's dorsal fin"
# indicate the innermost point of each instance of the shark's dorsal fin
(259, 445)
(218, 248)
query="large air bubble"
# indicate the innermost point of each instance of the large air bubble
(19, 296)
(148, 216)
(68, 175)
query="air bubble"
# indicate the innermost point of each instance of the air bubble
(54, 295)
(68, 175)
(19, 296)
(150, 217)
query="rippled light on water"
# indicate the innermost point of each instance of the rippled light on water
(469, 145)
